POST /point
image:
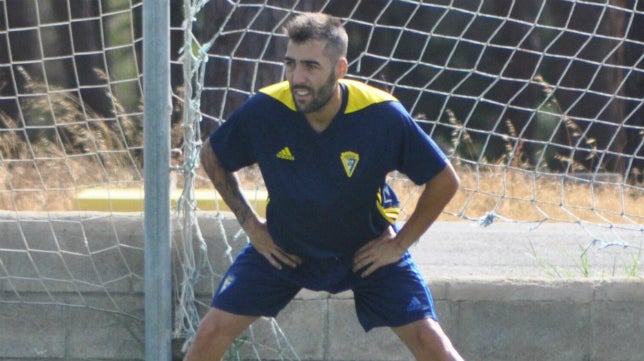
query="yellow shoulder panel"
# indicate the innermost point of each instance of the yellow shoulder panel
(362, 95)
(282, 92)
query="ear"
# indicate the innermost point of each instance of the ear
(341, 67)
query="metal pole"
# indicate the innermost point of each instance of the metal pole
(156, 158)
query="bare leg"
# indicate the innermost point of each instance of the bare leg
(217, 330)
(427, 341)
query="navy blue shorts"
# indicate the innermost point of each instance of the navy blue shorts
(393, 295)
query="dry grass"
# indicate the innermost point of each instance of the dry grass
(524, 196)
(63, 146)
(60, 145)
(50, 185)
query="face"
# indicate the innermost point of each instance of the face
(312, 75)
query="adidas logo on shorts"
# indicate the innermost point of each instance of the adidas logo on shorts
(414, 305)
(229, 280)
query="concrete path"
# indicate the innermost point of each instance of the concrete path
(520, 250)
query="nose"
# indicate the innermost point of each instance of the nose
(298, 75)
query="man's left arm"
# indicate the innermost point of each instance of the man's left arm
(390, 247)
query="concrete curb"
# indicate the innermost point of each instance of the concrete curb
(487, 319)
(489, 312)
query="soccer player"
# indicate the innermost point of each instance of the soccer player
(324, 145)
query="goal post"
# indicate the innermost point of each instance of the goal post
(156, 155)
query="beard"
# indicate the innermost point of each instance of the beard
(319, 97)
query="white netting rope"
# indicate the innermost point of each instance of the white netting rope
(193, 258)
(70, 122)
(244, 21)
(194, 261)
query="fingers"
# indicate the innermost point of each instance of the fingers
(263, 243)
(273, 261)
(371, 269)
(377, 253)
(367, 267)
(278, 258)
(290, 260)
(365, 260)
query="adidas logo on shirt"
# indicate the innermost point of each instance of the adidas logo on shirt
(285, 153)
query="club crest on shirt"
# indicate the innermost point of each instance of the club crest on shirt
(349, 161)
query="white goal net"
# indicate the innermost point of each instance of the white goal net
(538, 104)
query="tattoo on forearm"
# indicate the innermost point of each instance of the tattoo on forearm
(228, 187)
(232, 195)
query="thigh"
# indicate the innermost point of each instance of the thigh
(217, 330)
(253, 287)
(225, 324)
(394, 295)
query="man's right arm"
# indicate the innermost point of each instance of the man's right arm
(227, 185)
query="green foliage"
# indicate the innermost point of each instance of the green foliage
(584, 264)
(632, 268)
(234, 352)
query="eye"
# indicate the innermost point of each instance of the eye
(311, 65)
(289, 63)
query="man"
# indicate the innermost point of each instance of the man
(324, 146)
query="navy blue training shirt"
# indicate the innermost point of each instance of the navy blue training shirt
(327, 191)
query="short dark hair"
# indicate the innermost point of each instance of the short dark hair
(319, 26)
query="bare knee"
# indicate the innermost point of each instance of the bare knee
(427, 341)
(430, 339)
